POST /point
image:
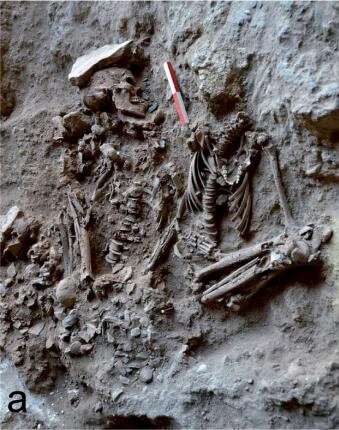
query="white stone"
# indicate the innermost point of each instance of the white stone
(100, 58)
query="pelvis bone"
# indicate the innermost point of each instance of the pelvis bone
(258, 264)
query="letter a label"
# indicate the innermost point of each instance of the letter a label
(20, 403)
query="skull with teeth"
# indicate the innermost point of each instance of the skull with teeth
(114, 86)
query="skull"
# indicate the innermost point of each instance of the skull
(114, 85)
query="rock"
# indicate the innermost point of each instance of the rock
(75, 348)
(135, 332)
(100, 58)
(146, 375)
(11, 271)
(153, 107)
(77, 124)
(6, 221)
(37, 328)
(66, 292)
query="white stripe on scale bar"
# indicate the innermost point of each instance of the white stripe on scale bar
(169, 77)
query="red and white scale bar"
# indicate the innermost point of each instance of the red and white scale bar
(175, 89)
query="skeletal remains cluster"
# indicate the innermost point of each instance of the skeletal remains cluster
(219, 180)
(219, 175)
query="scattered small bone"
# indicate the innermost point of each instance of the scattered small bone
(103, 284)
(37, 328)
(50, 342)
(88, 332)
(176, 251)
(85, 349)
(11, 271)
(141, 355)
(60, 132)
(135, 332)
(124, 380)
(221, 200)
(117, 268)
(100, 58)
(71, 319)
(135, 365)
(77, 124)
(109, 152)
(8, 282)
(66, 292)
(146, 375)
(116, 394)
(32, 270)
(130, 288)
(128, 272)
(98, 407)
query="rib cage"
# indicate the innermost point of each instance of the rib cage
(199, 167)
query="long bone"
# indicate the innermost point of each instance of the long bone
(272, 154)
(240, 256)
(80, 221)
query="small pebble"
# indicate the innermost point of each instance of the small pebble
(146, 375)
